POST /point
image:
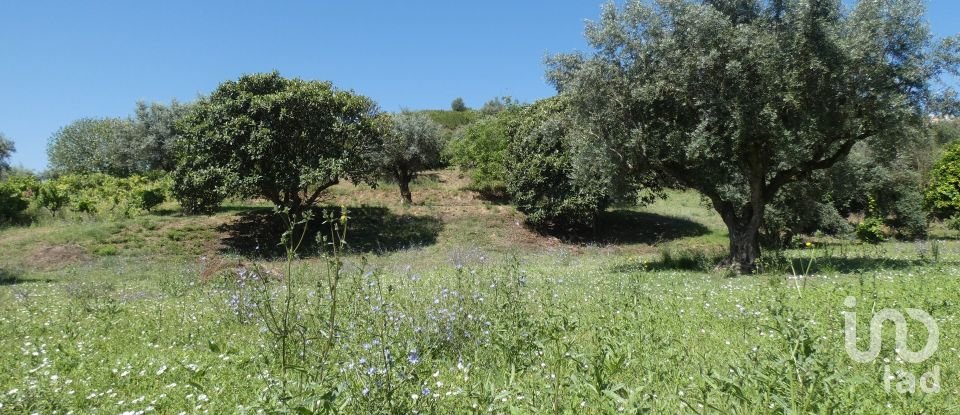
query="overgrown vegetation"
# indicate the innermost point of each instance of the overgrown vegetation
(611, 262)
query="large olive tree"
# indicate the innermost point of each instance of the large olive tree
(285, 140)
(738, 98)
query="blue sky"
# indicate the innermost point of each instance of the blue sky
(66, 60)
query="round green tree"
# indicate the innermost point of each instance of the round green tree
(544, 172)
(285, 140)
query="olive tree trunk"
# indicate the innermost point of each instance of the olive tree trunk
(403, 179)
(743, 225)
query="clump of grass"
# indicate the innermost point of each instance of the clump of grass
(689, 259)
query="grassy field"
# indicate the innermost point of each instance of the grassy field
(452, 306)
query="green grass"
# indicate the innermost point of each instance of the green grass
(150, 314)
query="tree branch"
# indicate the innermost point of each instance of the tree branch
(819, 162)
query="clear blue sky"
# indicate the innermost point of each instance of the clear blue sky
(64, 60)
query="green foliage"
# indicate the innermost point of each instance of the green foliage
(117, 146)
(480, 147)
(453, 120)
(155, 132)
(101, 194)
(943, 193)
(16, 190)
(286, 140)
(96, 146)
(12, 204)
(946, 132)
(871, 230)
(458, 105)
(542, 175)
(6, 149)
(413, 145)
(738, 102)
(53, 196)
(498, 105)
(954, 223)
(822, 201)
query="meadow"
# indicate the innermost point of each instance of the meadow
(451, 305)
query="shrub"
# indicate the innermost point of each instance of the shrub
(943, 192)
(12, 204)
(52, 196)
(871, 230)
(90, 194)
(147, 199)
(541, 170)
(479, 149)
(954, 223)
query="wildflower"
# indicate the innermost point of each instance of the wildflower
(414, 357)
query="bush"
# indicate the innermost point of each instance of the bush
(943, 192)
(873, 181)
(90, 194)
(147, 199)
(12, 204)
(52, 196)
(479, 149)
(541, 170)
(871, 230)
(954, 223)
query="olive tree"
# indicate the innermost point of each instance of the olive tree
(155, 132)
(285, 140)
(96, 145)
(739, 98)
(6, 149)
(413, 145)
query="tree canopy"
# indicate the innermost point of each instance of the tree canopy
(155, 132)
(739, 98)
(6, 149)
(118, 146)
(96, 145)
(285, 140)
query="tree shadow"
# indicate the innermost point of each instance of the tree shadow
(495, 196)
(370, 229)
(623, 227)
(855, 265)
(9, 277)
